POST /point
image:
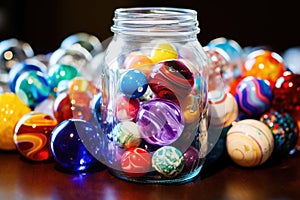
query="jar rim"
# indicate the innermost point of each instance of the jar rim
(156, 21)
(169, 11)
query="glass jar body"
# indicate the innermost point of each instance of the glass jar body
(154, 106)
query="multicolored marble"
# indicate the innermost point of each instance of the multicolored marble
(168, 161)
(32, 136)
(24, 66)
(139, 61)
(163, 51)
(32, 87)
(160, 121)
(249, 143)
(126, 134)
(254, 96)
(136, 162)
(222, 108)
(133, 83)
(264, 64)
(74, 144)
(172, 80)
(11, 110)
(284, 129)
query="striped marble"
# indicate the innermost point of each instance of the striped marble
(254, 96)
(249, 142)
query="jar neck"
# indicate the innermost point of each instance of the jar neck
(156, 21)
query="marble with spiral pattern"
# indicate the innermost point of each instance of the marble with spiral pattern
(171, 79)
(254, 96)
(32, 135)
(160, 121)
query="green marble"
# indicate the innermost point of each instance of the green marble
(32, 87)
(168, 161)
(60, 72)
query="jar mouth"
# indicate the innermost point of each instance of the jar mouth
(155, 21)
(167, 11)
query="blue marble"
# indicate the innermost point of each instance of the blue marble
(76, 145)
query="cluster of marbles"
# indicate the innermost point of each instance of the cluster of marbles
(53, 108)
(45, 103)
(152, 128)
(266, 125)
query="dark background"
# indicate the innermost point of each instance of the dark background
(44, 23)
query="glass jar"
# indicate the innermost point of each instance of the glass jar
(154, 96)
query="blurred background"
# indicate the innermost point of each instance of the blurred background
(44, 24)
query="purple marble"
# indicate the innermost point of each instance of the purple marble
(160, 121)
(191, 159)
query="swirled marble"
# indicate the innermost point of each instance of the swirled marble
(160, 121)
(136, 161)
(254, 96)
(32, 87)
(168, 161)
(126, 134)
(32, 135)
(249, 143)
(171, 79)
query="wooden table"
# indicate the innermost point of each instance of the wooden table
(20, 179)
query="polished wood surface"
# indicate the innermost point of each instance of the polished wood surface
(20, 179)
